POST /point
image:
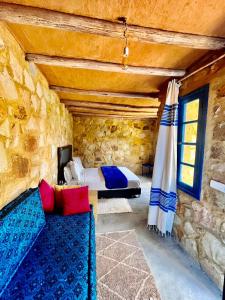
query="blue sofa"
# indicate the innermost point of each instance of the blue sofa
(45, 256)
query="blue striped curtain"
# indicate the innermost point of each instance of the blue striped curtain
(163, 196)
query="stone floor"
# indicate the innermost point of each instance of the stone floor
(177, 275)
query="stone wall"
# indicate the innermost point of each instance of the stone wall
(33, 123)
(100, 141)
(200, 225)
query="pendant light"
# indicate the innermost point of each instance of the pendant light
(126, 48)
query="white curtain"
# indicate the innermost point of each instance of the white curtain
(163, 197)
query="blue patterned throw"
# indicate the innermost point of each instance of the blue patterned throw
(47, 258)
(114, 178)
(21, 222)
(61, 263)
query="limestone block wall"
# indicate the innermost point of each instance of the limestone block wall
(33, 123)
(100, 141)
(200, 225)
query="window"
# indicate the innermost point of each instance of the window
(191, 140)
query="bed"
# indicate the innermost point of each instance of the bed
(94, 179)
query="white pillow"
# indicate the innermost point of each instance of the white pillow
(79, 162)
(67, 174)
(75, 170)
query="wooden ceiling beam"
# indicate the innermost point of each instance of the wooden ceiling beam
(74, 103)
(146, 103)
(202, 72)
(110, 112)
(208, 60)
(20, 14)
(110, 116)
(101, 66)
(104, 94)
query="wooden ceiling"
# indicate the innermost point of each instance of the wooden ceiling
(85, 54)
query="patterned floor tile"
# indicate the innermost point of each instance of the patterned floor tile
(104, 265)
(102, 242)
(137, 260)
(130, 239)
(104, 293)
(149, 290)
(123, 272)
(118, 251)
(125, 281)
(117, 235)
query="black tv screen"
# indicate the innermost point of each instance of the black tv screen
(64, 156)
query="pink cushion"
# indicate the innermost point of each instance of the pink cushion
(47, 196)
(75, 201)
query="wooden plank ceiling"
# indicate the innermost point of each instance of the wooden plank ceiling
(78, 45)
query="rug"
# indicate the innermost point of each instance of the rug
(122, 270)
(113, 206)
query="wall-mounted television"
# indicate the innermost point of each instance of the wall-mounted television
(64, 156)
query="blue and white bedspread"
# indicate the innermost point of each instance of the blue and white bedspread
(114, 178)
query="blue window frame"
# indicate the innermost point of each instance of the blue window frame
(191, 140)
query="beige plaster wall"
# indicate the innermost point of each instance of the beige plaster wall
(33, 123)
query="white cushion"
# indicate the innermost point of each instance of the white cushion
(67, 174)
(76, 171)
(79, 162)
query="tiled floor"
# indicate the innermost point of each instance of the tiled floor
(177, 276)
(120, 261)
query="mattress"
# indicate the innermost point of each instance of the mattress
(94, 178)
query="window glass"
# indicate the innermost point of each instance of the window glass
(188, 154)
(190, 132)
(191, 139)
(191, 110)
(187, 175)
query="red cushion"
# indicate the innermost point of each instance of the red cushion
(58, 200)
(58, 195)
(47, 196)
(75, 201)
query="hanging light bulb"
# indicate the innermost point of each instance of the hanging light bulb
(125, 57)
(126, 51)
(126, 48)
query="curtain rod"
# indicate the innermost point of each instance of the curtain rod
(201, 68)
